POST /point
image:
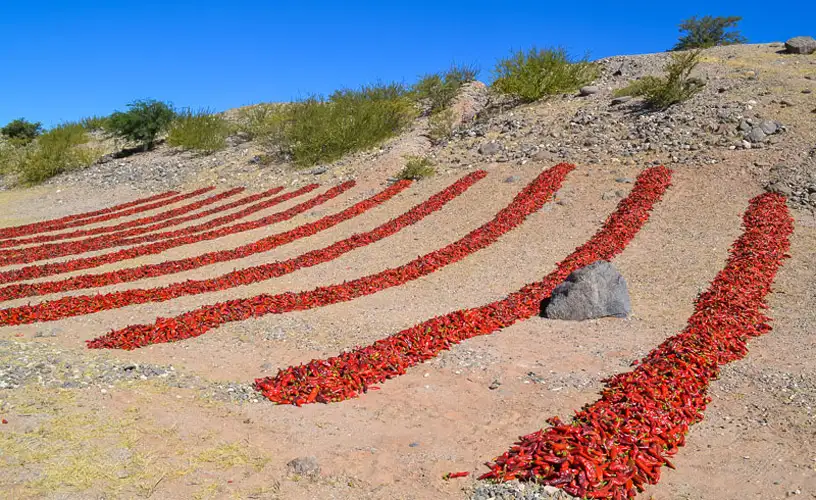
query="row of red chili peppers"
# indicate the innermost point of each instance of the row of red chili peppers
(124, 213)
(201, 320)
(42, 270)
(617, 445)
(351, 373)
(16, 291)
(52, 224)
(161, 216)
(54, 250)
(87, 304)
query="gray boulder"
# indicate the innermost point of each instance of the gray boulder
(490, 148)
(595, 291)
(801, 45)
(756, 135)
(769, 126)
(304, 466)
(589, 90)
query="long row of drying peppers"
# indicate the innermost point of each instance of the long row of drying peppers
(54, 250)
(54, 224)
(167, 214)
(617, 445)
(351, 373)
(201, 320)
(38, 271)
(124, 213)
(152, 223)
(86, 304)
(20, 290)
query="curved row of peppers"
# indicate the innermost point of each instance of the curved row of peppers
(615, 446)
(54, 250)
(86, 304)
(131, 211)
(203, 319)
(52, 224)
(16, 291)
(42, 270)
(351, 373)
(152, 223)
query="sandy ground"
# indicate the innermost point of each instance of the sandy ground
(160, 441)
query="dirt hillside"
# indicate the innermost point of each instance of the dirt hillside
(182, 420)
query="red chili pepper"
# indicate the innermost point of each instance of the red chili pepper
(173, 239)
(85, 218)
(455, 475)
(116, 230)
(203, 319)
(4, 421)
(349, 374)
(52, 250)
(643, 415)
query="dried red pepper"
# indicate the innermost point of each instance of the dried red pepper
(616, 446)
(153, 223)
(16, 291)
(85, 304)
(180, 237)
(203, 319)
(53, 250)
(351, 373)
(54, 224)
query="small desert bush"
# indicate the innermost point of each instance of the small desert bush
(21, 131)
(199, 131)
(92, 123)
(142, 123)
(61, 149)
(441, 125)
(317, 130)
(262, 122)
(675, 86)
(416, 168)
(707, 31)
(536, 73)
(439, 89)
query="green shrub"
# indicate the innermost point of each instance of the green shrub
(707, 31)
(92, 123)
(317, 130)
(441, 125)
(263, 122)
(439, 89)
(539, 73)
(21, 130)
(676, 86)
(199, 130)
(144, 121)
(416, 168)
(58, 150)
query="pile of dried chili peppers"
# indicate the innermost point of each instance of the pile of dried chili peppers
(155, 222)
(178, 239)
(56, 224)
(615, 446)
(349, 374)
(53, 250)
(86, 304)
(203, 319)
(20, 290)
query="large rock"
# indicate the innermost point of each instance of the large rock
(595, 291)
(801, 45)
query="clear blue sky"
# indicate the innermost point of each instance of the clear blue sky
(62, 60)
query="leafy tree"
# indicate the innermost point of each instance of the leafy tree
(22, 130)
(144, 121)
(707, 31)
